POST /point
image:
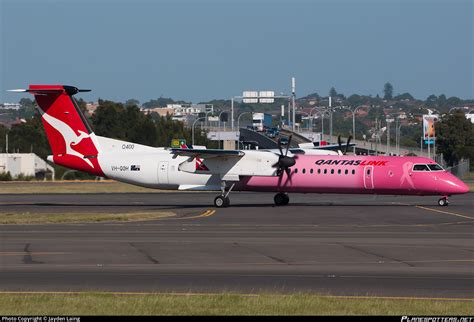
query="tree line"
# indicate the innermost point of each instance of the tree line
(111, 119)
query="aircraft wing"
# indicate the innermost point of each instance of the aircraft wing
(229, 164)
(333, 147)
(207, 153)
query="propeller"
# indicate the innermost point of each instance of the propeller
(284, 162)
(339, 142)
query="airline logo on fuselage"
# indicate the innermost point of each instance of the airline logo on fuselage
(351, 162)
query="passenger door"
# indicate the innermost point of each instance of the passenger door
(163, 172)
(369, 177)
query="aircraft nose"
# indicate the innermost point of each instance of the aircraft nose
(452, 185)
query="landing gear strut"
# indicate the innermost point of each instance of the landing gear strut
(223, 200)
(281, 199)
(443, 202)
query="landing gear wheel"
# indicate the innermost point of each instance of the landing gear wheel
(443, 202)
(221, 202)
(281, 199)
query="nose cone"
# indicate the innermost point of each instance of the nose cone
(451, 185)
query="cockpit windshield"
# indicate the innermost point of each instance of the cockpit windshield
(420, 167)
(435, 167)
(427, 167)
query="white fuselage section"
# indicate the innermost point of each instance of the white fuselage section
(161, 169)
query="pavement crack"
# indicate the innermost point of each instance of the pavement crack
(27, 258)
(375, 254)
(276, 259)
(144, 253)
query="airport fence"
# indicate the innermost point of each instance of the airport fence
(461, 169)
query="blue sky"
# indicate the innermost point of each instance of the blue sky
(200, 50)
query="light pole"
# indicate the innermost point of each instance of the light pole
(238, 118)
(354, 112)
(194, 123)
(322, 112)
(205, 121)
(388, 120)
(398, 134)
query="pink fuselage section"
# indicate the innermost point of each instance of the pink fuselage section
(359, 175)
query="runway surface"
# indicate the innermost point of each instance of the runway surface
(329, 244)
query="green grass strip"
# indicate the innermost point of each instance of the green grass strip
(223, 304)
(56, 218)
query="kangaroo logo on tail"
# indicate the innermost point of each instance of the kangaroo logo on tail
(70, 137)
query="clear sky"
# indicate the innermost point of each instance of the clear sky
(200, 50)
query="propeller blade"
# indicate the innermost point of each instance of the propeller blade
(288, 145)
(279, 146)
(348, 142)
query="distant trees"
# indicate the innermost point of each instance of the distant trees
(431, 101)
(404, 96)
(161, 102)
(128, 123)
(455, 137)
(332, 92)
(132, 101)
(28, 137)
(388, 91)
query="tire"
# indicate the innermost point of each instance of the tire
(281, 199)
(443, 202)
(220, 202)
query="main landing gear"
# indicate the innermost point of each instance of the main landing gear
(281, 199)
(443, 201)
(223, 200)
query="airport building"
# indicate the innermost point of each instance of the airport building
(26, 164)
(10, 106)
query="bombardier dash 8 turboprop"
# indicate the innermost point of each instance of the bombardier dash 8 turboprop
(74, 145)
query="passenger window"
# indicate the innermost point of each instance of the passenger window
(353, 171)
(319, 171)
(325, 171)
(332, 171)
(304, 170)
(420, 167)
(339, 171)
(296, 170)
(311, 171)
(346, 171)
(368, 172)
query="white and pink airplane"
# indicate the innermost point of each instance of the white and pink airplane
(74, 145)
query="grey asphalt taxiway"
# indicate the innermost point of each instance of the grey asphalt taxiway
(328, 244)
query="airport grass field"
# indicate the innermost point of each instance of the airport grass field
(62, 218)
(223, 304)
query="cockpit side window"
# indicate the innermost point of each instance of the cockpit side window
(435, 167)
(420, 167)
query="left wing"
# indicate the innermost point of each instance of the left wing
(228, 163)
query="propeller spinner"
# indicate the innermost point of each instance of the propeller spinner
(284, 161)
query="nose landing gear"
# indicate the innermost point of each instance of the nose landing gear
(443, 202)
(281, 199)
